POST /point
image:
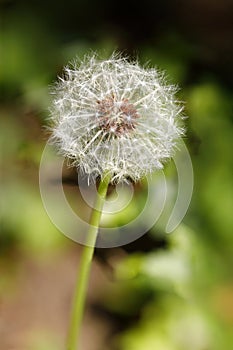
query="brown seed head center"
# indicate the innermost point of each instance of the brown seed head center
(116, 117)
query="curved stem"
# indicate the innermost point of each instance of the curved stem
(85, 265)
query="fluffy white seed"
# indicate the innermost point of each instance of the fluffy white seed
(115, 116)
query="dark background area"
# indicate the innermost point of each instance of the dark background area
(197, 32)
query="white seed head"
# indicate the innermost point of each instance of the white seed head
(113, 116)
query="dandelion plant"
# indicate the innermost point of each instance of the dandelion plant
(115, 121)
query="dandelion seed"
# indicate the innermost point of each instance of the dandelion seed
(113, 116)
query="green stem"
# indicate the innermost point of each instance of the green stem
(85, 266)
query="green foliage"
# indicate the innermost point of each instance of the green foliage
(171, 291)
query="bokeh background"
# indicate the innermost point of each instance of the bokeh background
(164, 292)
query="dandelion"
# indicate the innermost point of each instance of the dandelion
(117, 121)
(115, 117)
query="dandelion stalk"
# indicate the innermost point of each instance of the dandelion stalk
(85, 266)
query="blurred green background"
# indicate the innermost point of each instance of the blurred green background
(163, 292)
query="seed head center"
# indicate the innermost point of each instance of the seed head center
(116, 117)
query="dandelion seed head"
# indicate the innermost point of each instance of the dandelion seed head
(115, 116)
